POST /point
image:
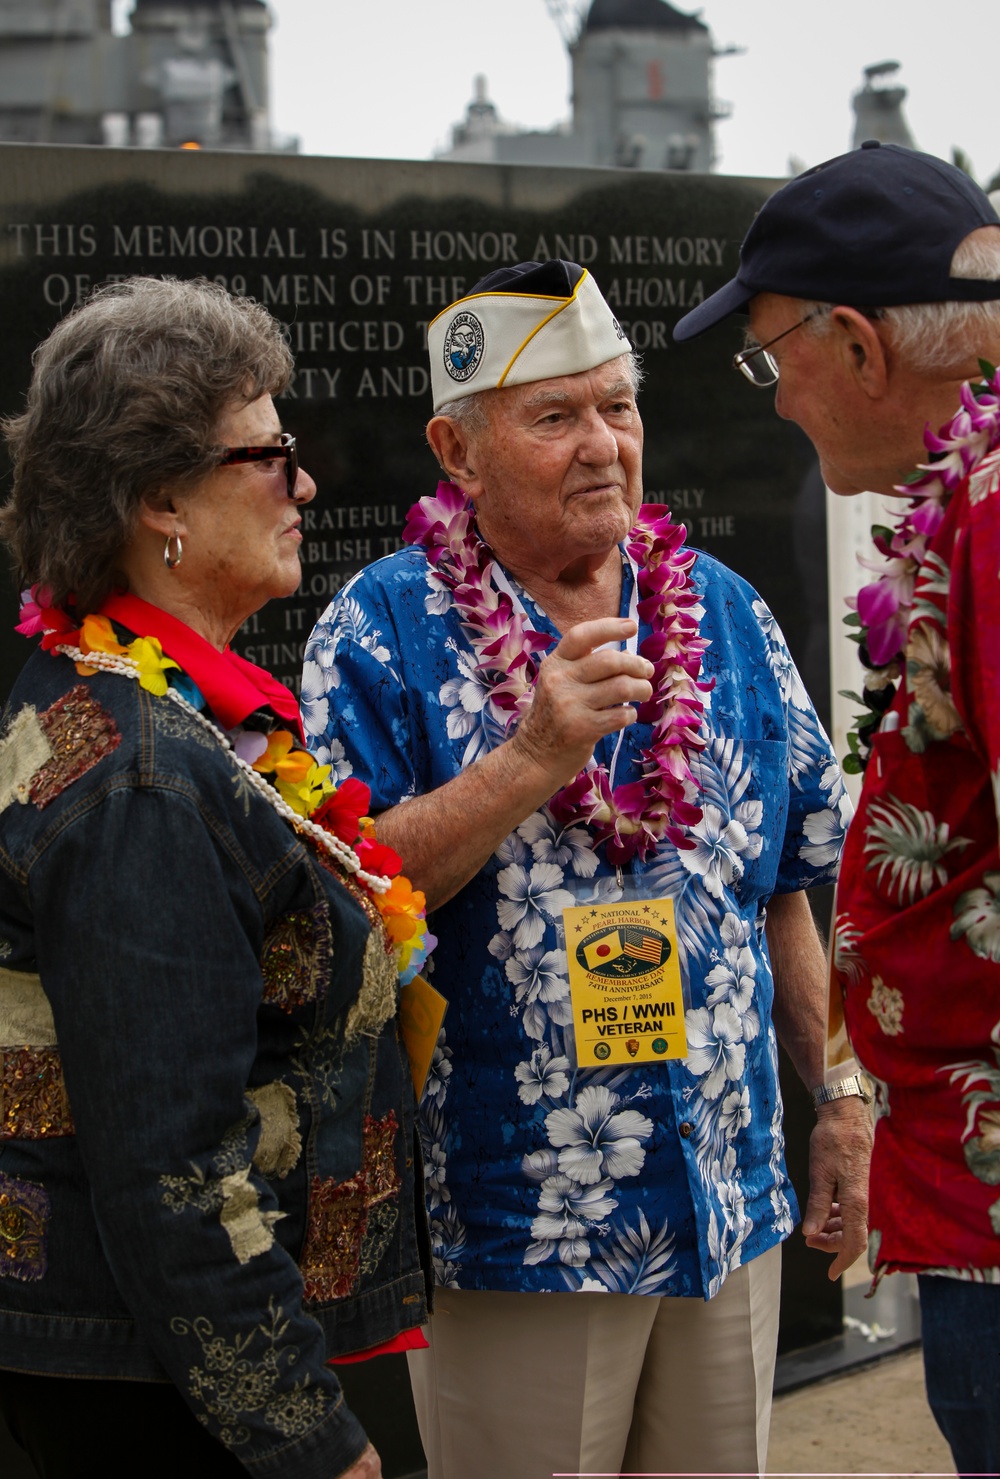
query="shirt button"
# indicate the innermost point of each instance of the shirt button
(687, 1129)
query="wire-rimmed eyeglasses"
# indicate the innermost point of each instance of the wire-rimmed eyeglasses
(283, 450)
(760, 367)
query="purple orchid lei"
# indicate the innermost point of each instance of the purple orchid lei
(629, 819)
(883, 608)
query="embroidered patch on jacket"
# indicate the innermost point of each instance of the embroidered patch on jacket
(25, 1013)
(229, 1192)
(24, 749)
(279, 1144)
(174, 723)
(332, 1253)
(33, 1102)
(296, 958)
(250, 1231)
(378, 1235)
(201, 1191)
(249, 1380)
(358, 894)
(24, 1221)
(381, 1176)
(350, 1222)
(379, 986)
(80, 734)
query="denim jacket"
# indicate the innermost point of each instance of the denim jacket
(206, 1130)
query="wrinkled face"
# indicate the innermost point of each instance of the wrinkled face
(241, 530)
(558, 472)
(811, 391)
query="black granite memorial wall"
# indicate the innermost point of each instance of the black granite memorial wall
(355, 257)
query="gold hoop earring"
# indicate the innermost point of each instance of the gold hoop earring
(172, 561)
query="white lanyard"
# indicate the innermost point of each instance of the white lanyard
(503, 583)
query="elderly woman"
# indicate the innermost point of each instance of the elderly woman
(206, 1132)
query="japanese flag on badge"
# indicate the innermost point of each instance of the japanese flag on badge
(599, 952)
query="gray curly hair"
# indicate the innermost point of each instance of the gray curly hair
(123, 407)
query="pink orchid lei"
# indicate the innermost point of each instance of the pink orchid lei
(629, 819)
(883, 608)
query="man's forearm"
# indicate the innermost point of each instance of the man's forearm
(836, 1215)
(445, 837)
(798, 963)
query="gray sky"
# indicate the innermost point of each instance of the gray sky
(387, 78)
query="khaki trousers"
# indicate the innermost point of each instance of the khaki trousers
(526, 1386)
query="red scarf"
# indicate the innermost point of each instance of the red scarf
(232, 687)
(407, 1340)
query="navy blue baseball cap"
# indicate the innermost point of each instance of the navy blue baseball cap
(872, 229)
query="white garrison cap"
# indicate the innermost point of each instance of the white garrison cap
(535, 321)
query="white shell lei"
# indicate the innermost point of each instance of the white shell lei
(339, 851)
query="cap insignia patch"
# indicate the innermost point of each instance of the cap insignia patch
(464, 346)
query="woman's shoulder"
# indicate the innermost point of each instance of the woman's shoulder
(65, 733)
(57, 725)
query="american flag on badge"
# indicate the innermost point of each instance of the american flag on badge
(641, 945)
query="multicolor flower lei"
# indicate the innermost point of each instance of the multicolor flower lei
(333, 817)
(629, 819)
(883, 608)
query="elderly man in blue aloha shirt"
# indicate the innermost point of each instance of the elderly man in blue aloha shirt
(556, 705)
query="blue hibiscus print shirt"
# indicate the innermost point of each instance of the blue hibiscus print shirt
(659, 1178)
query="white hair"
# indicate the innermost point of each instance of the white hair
(470, 412)
(937, 338)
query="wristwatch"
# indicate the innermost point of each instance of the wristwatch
(855, 1087)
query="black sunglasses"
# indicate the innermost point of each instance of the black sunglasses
(282, 450)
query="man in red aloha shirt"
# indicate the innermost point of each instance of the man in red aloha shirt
(887, 263)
